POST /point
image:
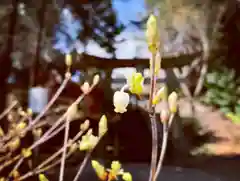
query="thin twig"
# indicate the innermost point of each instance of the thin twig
(153, 121)
(41, 168)
(35, 172)
(44, 163)
(86, 158)
(6, 111)
(83, 164)
(43, 138)
(54, 98)
(166, 126)
(51, 102)
(66, 135)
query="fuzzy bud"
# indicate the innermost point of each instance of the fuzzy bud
(37, 132)
(161, 94)
(85, 87)
(172, 101)
(68, 60)
(14, 144)
(127, 176)
(96, 79)
(152, 34)
(84, 126)
(102, 126)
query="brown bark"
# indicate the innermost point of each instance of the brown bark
(6, 62)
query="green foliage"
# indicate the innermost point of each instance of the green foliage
(223, 92)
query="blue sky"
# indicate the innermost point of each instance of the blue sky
(126, 10)
(129, 9)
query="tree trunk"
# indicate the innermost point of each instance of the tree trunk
(6, 62)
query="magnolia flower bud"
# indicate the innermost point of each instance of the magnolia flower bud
(120, 101)
(73, 147)
(29, 112)
(96, 79)
(172, 101)
(84, 126)
(37, 132)
(88, 142)
(26, 152)
(152, 34)
(164, 116)
(15, 174)
(14, 144)
(90, 132)
(127, 176)
(116, 167)
(85, 87)
(68, 60)
(20, 126)
(161, 94)
(102, 126)
(135, 83)
(99, 169)
(42, 177)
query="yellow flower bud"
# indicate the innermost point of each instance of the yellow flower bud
(73, 147)
(172, 101)
(127, 176)
(152, 34)
(96, 79)
(42, 177)
(68, 60)
(1, 132)
(99, 169)
(29, 112)
(90, 132)
(84, 126)
(26, 152)
(102, 126)
(115, 167)
(2, 179)
(85, 87)
(88, 142)
(14, 144)
(121, 100)
(20, 126)
(15, 174)
(135, 83)
(37, 132)
(161, 94)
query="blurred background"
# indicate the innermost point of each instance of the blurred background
(200, 60)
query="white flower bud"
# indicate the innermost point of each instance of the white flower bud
(120, 101)
(96, 79)
(85, 87)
